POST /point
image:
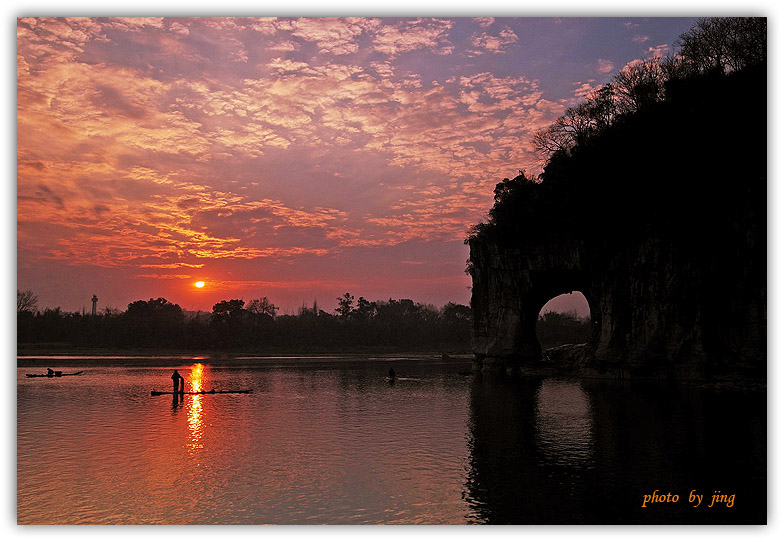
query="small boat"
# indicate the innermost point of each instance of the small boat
(54, 374)
(211, 392)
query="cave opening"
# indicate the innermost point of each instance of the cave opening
(564, 319)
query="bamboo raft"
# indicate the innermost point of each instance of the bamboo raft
(211, 392)
(56, 374)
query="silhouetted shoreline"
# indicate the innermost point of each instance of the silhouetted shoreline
(37, 356)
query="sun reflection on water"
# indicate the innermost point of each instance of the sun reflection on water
(195, 422)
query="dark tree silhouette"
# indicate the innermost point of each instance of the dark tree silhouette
(228, 322)
(26, 301)
(262, 307)
(345, 305)
(155, 322)
(640, 85)
(724, 43)
(365, 309)
(718, 45)
(228, 309)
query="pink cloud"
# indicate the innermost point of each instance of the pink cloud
(484, 22)
(583, 90)
(406, 36)
(604, 66)
(178, 28)
(135, 24)
(285, 46)
(384, 69)
(486, 43)
(659, 50)
(337, 36)
(264, 25)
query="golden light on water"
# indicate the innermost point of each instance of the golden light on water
(199, 284)
(195, 422)
(197, 372)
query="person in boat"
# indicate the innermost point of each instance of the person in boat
(391, 373)
(49, 372)
(176, 379)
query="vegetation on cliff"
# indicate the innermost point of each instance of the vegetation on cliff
(674, 145)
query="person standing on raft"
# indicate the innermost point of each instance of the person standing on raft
(178, 383)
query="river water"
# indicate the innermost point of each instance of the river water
(330, 441)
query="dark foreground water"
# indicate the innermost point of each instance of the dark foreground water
(330, 441)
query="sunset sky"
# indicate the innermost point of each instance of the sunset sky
(295, 159)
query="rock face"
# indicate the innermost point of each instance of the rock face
(670, 255)
(653, 311)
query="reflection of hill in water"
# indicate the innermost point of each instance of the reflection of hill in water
(564, 435)
(557, 452)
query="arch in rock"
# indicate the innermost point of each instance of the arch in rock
(556, 304)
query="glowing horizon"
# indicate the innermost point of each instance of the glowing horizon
(288, 158)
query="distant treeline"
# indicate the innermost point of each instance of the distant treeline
(557, 328)
(233, 325)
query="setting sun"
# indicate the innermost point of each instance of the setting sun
(199, 284)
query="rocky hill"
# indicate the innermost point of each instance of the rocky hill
(659, 220)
